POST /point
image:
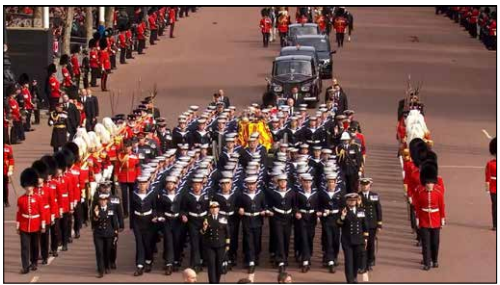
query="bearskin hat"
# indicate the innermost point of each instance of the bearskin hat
(92, 43)
(493, 146)
(418, 151)
(60, 159)
(24, 79)
(103, 43)
(64, 59)
(41, 168)
(11, 89)
(122, 27)
(51, 69)
(50, 161)
(96, 36)
(269, 98)
(264, 12)
(29, 177)
(428, 172)
(70, 158)
(431, 156)
(75, 48)
(73, 147)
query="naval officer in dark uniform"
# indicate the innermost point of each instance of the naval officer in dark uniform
(105, 226)
(216, 241)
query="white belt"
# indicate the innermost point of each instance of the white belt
(30, 216)
(143, 214)
(282, 211)
(171, 215)
(430, 210)
(252, 214)
(198, 215)
(306, 211)
(331, 212)
(65, 195)
(227, 213)
(493, 178)
(46, 206)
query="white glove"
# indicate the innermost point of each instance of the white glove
(9, 173)
(443, 222)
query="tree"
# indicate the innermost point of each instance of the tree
(110, 11)
(68, 25)
(89, 23)
(37, 17)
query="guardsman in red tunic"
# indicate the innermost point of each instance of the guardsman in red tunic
(130, 43)
(111, 47)
(17, 131)
(64, 197)
(152, 27)
(67, 80)
(265, 25)
(122, 43)
(55, 87)
(472, 19)
(78, 186)
(105, 63)
(54, 207)
(321, 21)
(29, 106)
(491, 181)
(8, 170)
(29, 220)
(430, 209)
(94, 62)
(141, 37)
(75, 64)
(43, 190)
(283, 22)
(127, 169)
(340, 25)
(491, 38)
(162, 12)
(172, 19)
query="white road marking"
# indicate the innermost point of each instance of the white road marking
(486, 134)
(34, 279)
(9, 222)
(462, 166)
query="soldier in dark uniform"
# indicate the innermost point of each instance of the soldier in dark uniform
(306, 210)
(227, 200)
(165, 136)
(281, 203)
(313, 133)
(354, 236)
(292, 134)
(219, 134)
(143, 215)
(168, 212)
(216, 242)
(144, 151)
(370, 201)
(276, 131)
(105, 226)
(253, 150)
(350, 161)
(252, 207)
(228, 151)
(194, 209)
(58, 119)
(330, 203)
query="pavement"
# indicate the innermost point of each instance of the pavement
(221, 47)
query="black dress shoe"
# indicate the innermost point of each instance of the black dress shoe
(281, 269)
(24, 271)
(435, 264)
(77, 235)
(332, 269)
(112, 265)
(426, 267)
(107, 271)
(372, 263)
(224, 267)
(147, 268)
(33, 267)
(251, 269)
(305, 268)
(64, 248)
(100, 275)
(168, 270)
(55, 254)
(138, 271)
(44, 262)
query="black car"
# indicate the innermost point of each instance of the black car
(295, 30)
(295, 71)
(322, 45)
(303, 50)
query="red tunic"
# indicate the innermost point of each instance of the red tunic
(491, 175)
(8, 158)
(122, 40)
(283, 24)
(104, 59)
(492, 28)
(15, 112)
(77, 191)
(361, 138)
(152, 22)
(55, 92)
(265, 25)
(29, 217)
(140, 31)
(94, 59)
(64, 195)
(67, 77)
(171, 15)
(429, 207)
(401, 131)
(340, 24)
(321, 23)
(44, 193)
(54, 206)
(127, 169)
(28, 103)
(75, 64)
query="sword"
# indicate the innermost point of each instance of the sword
(13, 187)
